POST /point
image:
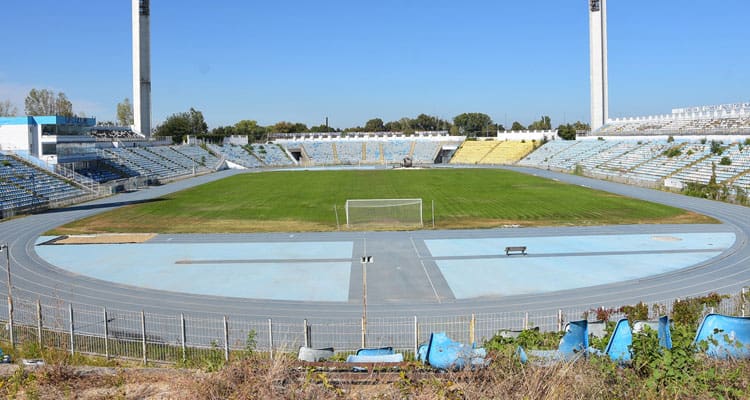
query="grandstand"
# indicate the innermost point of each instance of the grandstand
(492, 152)
(26, 186)
(651, 163)
(724, 119)
(370, 150)
(472, 152)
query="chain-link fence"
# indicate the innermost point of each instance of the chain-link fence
(87, 329)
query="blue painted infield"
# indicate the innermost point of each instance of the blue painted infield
(523, 275)
(154, 265)
(581, 244)
(499, 275)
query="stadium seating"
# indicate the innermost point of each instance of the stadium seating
(25, 186)
(349, 152)
(271, 154)
(702, 171)
(237, 155)
(473, 152)
(508, 152)
(396, 150)
(647, 161)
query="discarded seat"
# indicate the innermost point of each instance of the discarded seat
(618, 348)
(378, 351)
(443, 353)
(375, 355)
(727, 337)
(573, 344)
(314, 355)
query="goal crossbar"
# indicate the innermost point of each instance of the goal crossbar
(384, 212)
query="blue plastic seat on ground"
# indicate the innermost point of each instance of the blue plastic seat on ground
(618, 348)
(446, 354)
(727, 337)
(378, 351)
(375, 355)
(573, 344)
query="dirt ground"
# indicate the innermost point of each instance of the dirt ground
(104, 238)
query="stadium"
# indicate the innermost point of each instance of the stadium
(363, 239)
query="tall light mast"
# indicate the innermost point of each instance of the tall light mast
(141, 67)
(598, 54)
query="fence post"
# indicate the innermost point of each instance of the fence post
(307, 333)
(182, 337)
(416, 338)
(10, 322)
(143, 335)
(742, 298)
(72, 331)
(472, 330)
(364, 329)
(106, 333)
(526, 322)
(39, 323)
(559, 320)
(270, 338)
(226, 339)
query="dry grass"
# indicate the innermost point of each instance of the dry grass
(259, 378)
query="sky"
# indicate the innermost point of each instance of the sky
(351, 61)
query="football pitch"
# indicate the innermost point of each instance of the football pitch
(300, 201)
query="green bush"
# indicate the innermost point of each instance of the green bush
(725, 161)
(689, 311)
(638, 312)
(672, 152)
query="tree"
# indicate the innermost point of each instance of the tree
(7, 109)
(182, 124)
(63, 106)
(47, 102)
(289, 127)
(374, 125)
(322, 128)
(251, 129)
(125, 113)
(581, 127)
(566, 132)
(517, 126)
(473, 124)
(223, 131)
(544, 124)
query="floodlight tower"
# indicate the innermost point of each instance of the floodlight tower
(141, 67)
(598, 54)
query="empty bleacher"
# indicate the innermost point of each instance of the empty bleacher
(394, 151)
(473, 152)
(24, 186)
(508, 152)
(349, 152)
(237, 154)
(271, 154)
(648, 162)
(702, 171)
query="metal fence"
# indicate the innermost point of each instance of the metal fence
(151, 337)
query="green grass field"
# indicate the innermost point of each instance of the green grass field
(304, 201)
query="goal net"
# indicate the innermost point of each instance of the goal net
(384, 213)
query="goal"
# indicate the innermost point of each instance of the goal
(397, 213)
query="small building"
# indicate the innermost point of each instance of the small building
(39, 136)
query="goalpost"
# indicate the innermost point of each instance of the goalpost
(384, 212)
